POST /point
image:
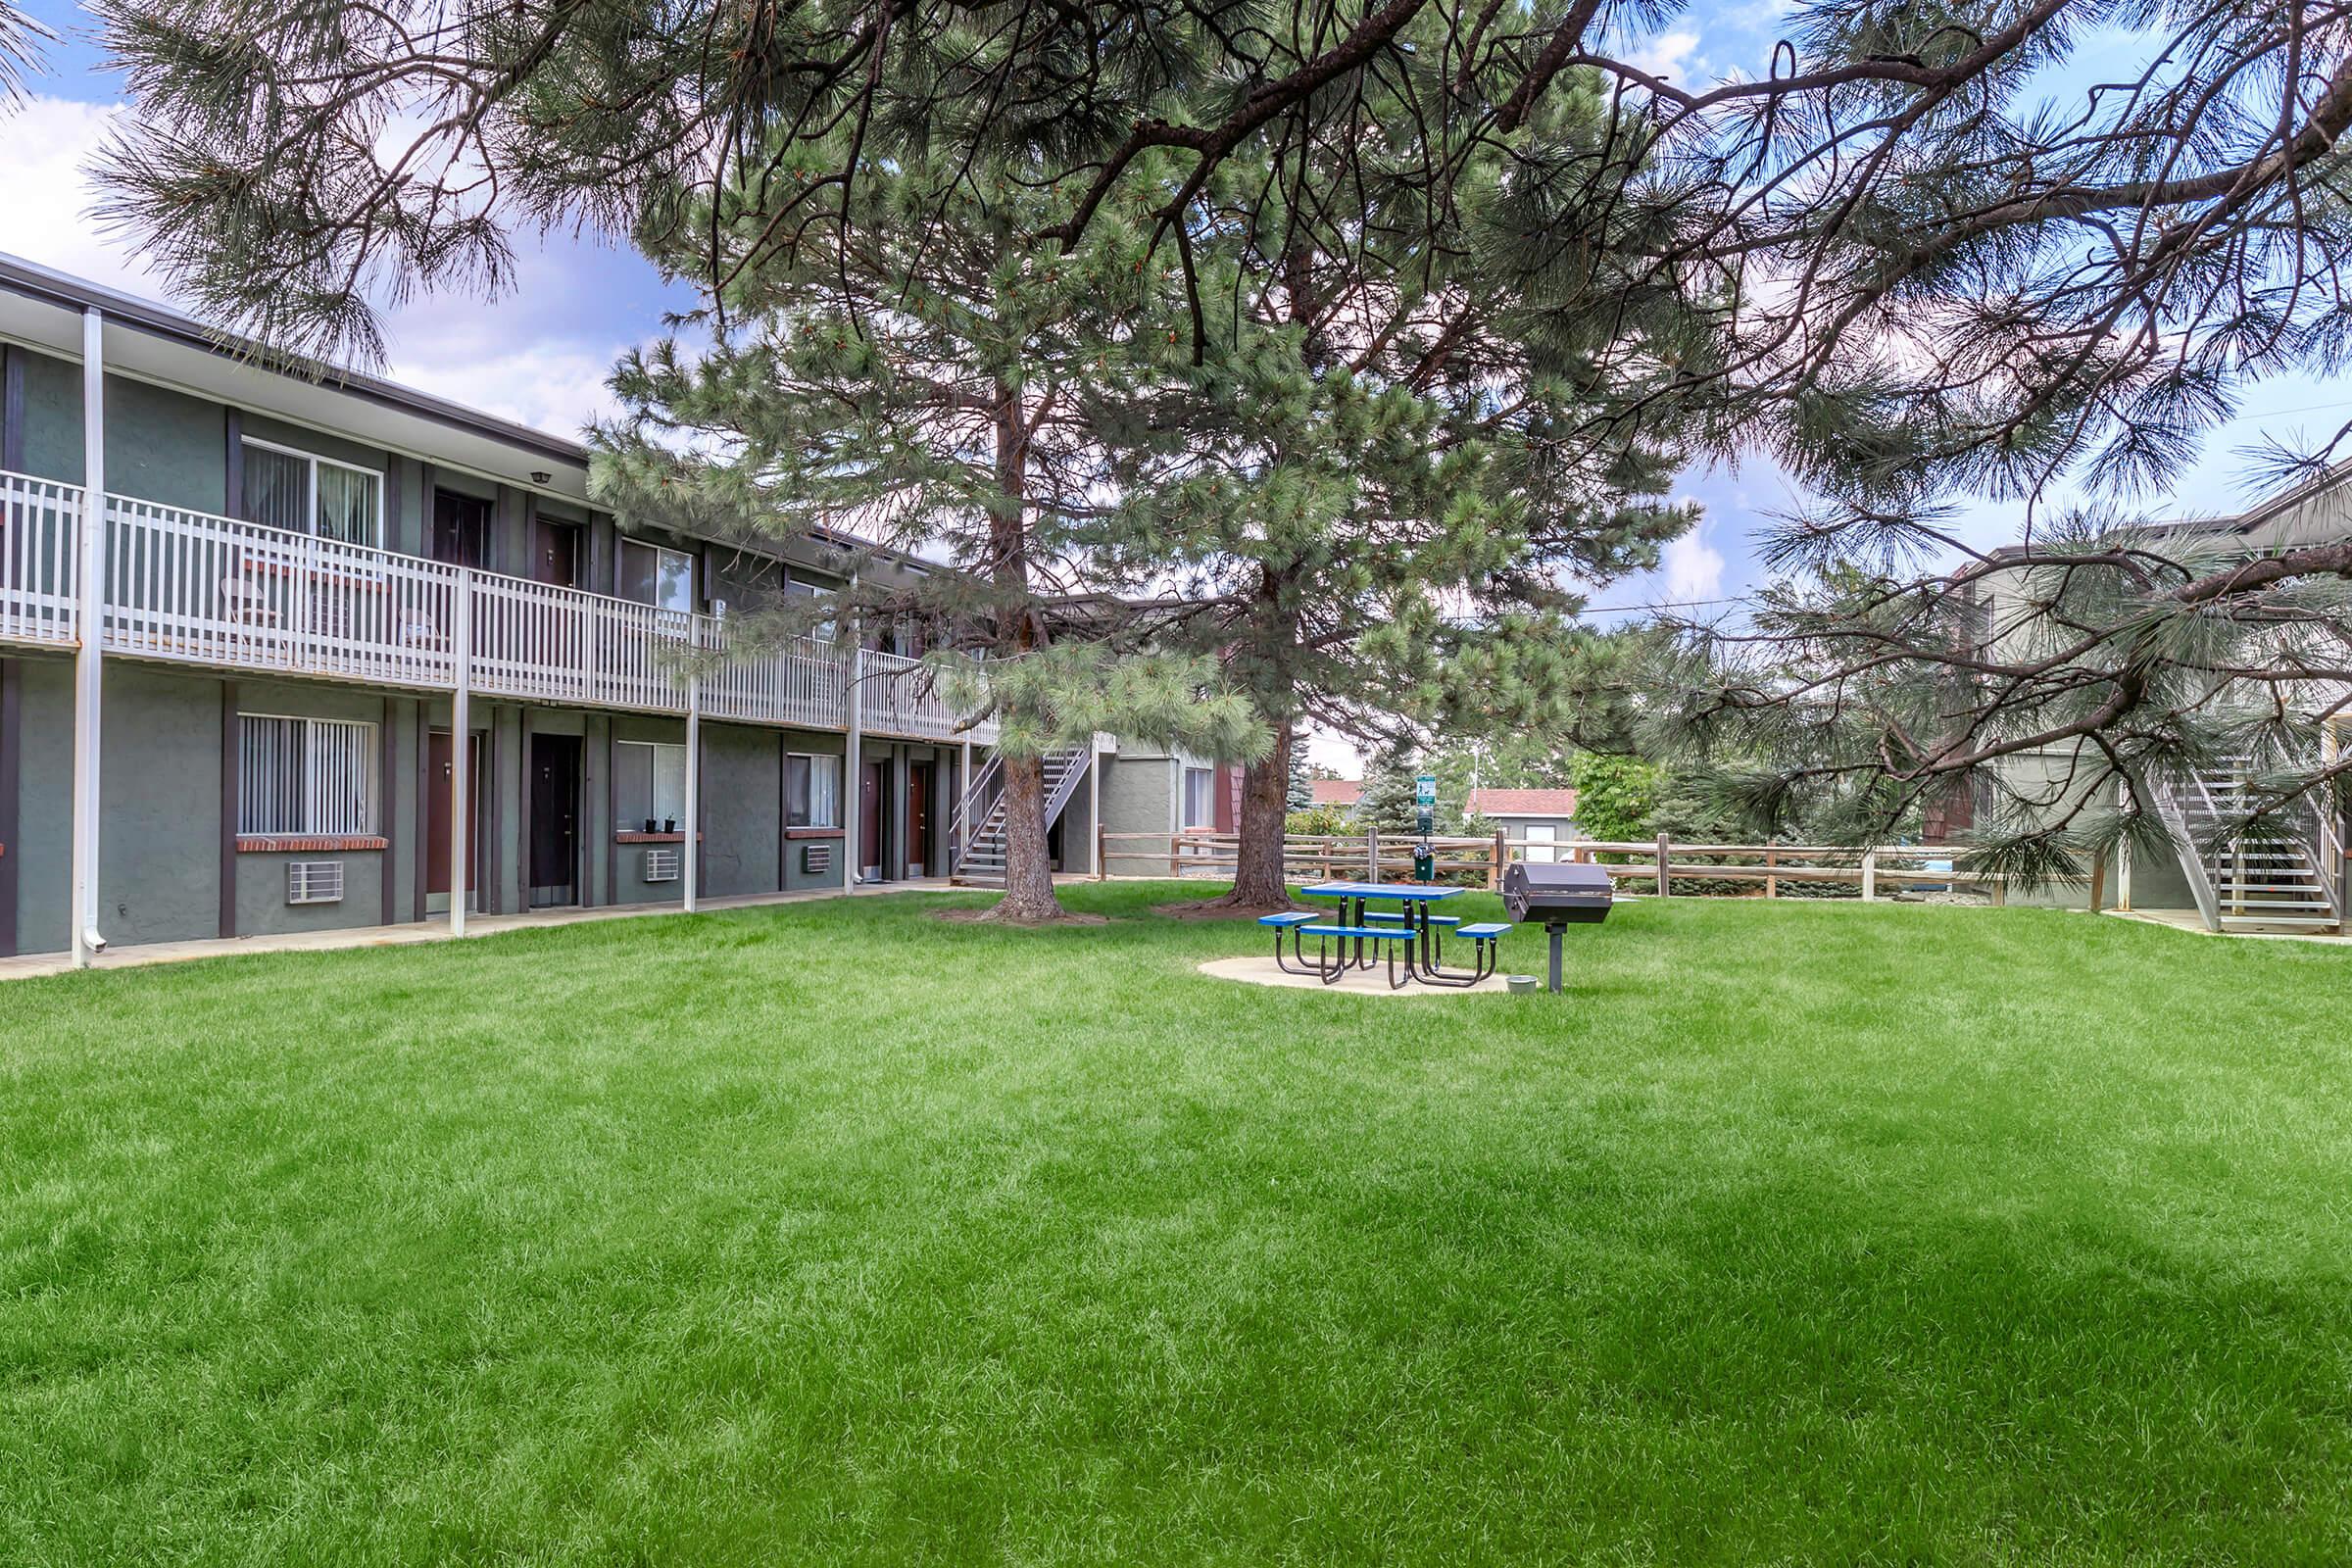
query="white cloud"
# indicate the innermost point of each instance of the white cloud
(51, 143)
(1691, 568)
(1665, 54)
(539, 355)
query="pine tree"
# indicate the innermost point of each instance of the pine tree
(1366, 486)
(1390, 803)
(1301, 792)
(927, 386)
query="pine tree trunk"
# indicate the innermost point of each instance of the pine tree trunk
(1259, 882)
(1028, 868)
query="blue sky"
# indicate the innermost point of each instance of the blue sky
(540, 353)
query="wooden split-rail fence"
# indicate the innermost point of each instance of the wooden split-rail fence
(1653, 867)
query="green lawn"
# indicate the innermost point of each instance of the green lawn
(1804, 1232)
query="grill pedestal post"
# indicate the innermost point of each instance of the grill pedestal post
(1556, 931)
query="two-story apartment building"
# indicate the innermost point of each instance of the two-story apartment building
(279, 654)
(2290, 875)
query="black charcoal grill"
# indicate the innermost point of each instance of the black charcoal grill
(1556, 897)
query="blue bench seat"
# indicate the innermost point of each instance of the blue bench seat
(1289, 917)
(1386, 918)
(1383, 932)
(1486, 931)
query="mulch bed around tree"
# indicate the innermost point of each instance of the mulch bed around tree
(989, 916)
(1218, 910)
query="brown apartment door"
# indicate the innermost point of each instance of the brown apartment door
(554, 820)
(438, 757)
(556, 553)
(870, 781)
(918, 817)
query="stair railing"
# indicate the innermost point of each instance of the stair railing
(1067, 785)
(2184, 844)
(972, 811)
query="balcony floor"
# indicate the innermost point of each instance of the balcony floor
(434, 930)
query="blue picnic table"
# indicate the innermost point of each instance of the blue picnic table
(1421, 926)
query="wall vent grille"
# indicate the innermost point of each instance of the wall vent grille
(660, 866)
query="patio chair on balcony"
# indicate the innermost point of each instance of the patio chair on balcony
(246, 603)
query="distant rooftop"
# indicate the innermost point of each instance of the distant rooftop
(1523, 803)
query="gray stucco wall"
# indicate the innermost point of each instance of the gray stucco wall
(158, 786)
(45, 805)
(2044, 779)
(1138, 797)
(743, 821)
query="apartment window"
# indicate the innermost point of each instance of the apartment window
(1539, 839)
(308, 776)
(652, 575)
(796, 589)
(303, 493)
(661, 768)
(812, 791)
(1200, 797)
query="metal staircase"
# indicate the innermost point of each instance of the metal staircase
(2281, 875)
(978, 859)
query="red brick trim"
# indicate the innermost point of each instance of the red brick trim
(262, 844)
(816, 832)
(635, 835)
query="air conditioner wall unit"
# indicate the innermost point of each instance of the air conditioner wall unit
(314, 881)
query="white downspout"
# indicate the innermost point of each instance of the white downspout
(461, 747)
(88, 672)
(853, 781)
(1093, 806)
(694, 782)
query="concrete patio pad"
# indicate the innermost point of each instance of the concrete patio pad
(1263, 971)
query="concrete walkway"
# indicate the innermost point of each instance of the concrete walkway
(2191, 921)
(435, 929)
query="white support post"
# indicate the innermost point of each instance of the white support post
(852, 772)
(688, 864)
(1870, 875)
(1093, 800)
(2122, 876)
(89, 673)
(964, 802)
(461, 747)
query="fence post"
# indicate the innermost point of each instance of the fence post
(1662, 885)
(1371, 854)
(1870, 875)
(1101, 854)
(1175, 847)
(1772, 884)
(1495, 867)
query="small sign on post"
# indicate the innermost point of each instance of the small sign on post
(1425, 814)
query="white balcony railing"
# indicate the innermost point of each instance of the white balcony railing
(37, 530)
(194, 588)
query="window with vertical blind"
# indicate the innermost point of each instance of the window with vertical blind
(661, 768)
(812, 791)
(1200, 797)
(302, 493)
(308, 776)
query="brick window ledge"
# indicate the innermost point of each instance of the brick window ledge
(639, 836)
(295, 844)
(816, 832)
